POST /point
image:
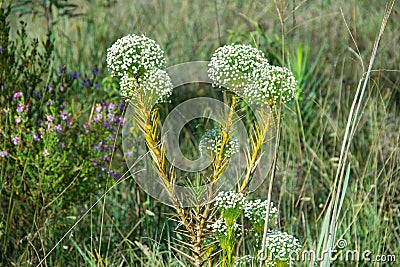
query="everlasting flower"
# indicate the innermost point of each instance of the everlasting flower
(282, 246)
(233, 66)
(212, 141)
(134, 55)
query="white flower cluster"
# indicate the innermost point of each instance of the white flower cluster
(233, 66)
(220, 227)
(282, 246)
(212, 141)
(256, 210)
(229, 200)
(156, 83)
(133, 55)
(275, 83)
(139, 62)
(244, 261)
(245, 70)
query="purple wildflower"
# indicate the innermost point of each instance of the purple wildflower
(86, 83)
(20, 108)
(129, 154)
(97, 86)
(61, 70)
(95, 71)
(98, 108)
(95, 163)
(49, 118)
(74, 76)
(50, 88)
(58, 128)
(62, 89)
(18, 119)
(117, 176)
(103, 168)
(62, 145)
(16, 140)
(17, 94)
(111, 107)
(98, 147)
(35, 137)
(46, 153)
(62, 107)
(121, 106)
(64, 116)
(106, 158)
(3, 154)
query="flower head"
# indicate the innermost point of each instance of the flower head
(212, 141)
(233, 66)
(133, 55)
(282, 246)
(256, 210)
(153, 85)
(271, 85)
(230, 205)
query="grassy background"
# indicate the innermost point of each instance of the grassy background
(336, 39)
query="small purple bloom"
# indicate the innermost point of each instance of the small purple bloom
(98, 108)
(64, 116)
(1, 49)
(74, 76)
(61, 70)
(7, 110)
(16, 140)
(111, 106)
(103, 168)
(117, 176)
(98, 147)
(58, 128)
(97, 86)
(20, 108)
(62, 145)
(106, 158)
(18, 119)
(4, 154)
(129, 154)
(62, 89)
(46, 153)
(111, 138)
(50, 88)
(95, 163)
(111, 173)
(35, 137)
(86, 83)
(17, 95)
(110, 116)
(49, 118)
(105, 124)
(95, 71)
(62, 107)
(121, 106)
